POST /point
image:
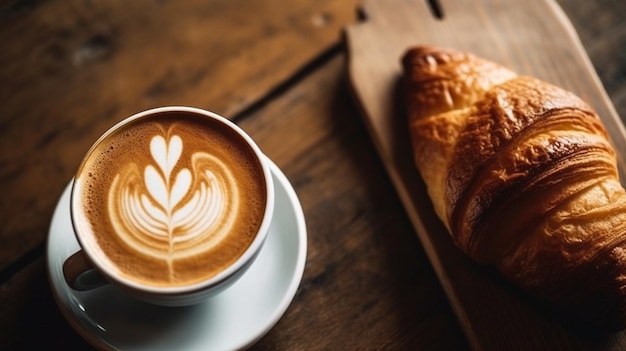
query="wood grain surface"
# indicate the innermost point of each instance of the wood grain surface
(70, 69)
(74, 68)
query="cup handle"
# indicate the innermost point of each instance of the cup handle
(80, 274)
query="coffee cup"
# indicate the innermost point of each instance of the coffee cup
(171, 204)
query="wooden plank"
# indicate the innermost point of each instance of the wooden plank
(532, 37)
(71, 69)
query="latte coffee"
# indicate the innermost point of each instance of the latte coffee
(169, 199)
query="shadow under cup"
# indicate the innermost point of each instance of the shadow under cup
(172, 205)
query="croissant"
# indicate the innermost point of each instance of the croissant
(524, 178)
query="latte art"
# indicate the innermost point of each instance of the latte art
(168, 215)
(170, 200)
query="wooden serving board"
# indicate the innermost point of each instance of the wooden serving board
(533, 37)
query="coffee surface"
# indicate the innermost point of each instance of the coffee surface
(171, 199)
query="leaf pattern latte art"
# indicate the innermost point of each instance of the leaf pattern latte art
(166, 214)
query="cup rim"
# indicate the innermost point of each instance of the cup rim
(110, 272)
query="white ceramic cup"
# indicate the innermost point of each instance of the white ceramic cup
(89, 268)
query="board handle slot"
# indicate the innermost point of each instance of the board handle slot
(436, 9)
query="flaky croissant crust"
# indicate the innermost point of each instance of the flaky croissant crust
(523, 176)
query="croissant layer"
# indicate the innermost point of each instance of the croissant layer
(523, 176)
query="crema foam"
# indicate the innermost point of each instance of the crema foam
(171, 199)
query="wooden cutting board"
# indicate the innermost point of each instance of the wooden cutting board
(533, 37)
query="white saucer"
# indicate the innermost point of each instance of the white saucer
(234, 319)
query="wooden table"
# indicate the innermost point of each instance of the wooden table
(71, 69)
